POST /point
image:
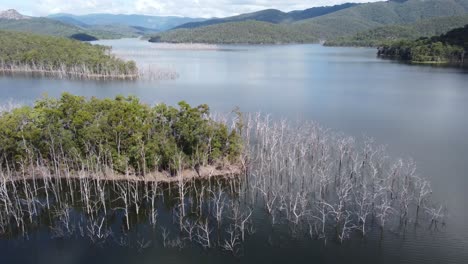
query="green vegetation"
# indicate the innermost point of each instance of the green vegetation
(122, 134)
(299, 27)
(451, 47)
(246, 32)
(45, 26)
(154, 23)
(272, 16)
(360, 18)
(384, 35)
(23, 52)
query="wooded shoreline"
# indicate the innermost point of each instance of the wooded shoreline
(202, 173)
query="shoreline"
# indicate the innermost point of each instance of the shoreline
(70, 74)
(206, 172)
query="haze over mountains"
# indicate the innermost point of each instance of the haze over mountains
(159, 23)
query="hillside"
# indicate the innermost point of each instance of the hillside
(338, 23)
(45, 26)
(60, 57)
(245, 32)
(382, 35)
(156, 23)
(363, 17)
(271, 16)
(451, 47)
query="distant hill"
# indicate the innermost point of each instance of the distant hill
(363, 17)
(271, 16)
(327, 23)
(158, 23)
(382, 35)
(70, 20)
(45, 26)
(451, 48)
(245, 32)
(11, 20)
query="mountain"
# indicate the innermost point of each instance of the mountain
(158, 23)
(372, 15)
(272, 16)
(245, 32)
(45, 26)
(12, 14)
(381, 35)
(340, 21)
(11, 20)
(70, 20)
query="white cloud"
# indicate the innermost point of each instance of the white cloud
(191, 8)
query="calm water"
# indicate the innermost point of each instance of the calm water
(419, 112)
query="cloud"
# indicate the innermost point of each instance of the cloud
(190, 8)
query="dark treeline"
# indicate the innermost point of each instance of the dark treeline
(24, 52)
(447, 48)
(123, 135)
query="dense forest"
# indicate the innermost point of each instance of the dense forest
(122, 134)
(383, 35)
(451, 47)
(272, 16)
(62, 57)
(389, 19)
(45, 26)
(246, 32)
(350, 21)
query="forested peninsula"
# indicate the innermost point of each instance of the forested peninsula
(60, 57)
(449, 48)
(115, 139)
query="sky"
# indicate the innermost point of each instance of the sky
(188, 8)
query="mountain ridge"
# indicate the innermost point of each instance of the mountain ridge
(274, 16)
(341, 23)
(150, 22)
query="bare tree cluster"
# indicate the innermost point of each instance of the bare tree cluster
(76, 72)
(313, 178)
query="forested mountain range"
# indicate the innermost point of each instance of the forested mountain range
(155, 23)
(11, 20)
(272, 16)
(344, 22)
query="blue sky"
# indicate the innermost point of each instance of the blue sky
(192, 8)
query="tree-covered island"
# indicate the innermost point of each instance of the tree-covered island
(60, 57)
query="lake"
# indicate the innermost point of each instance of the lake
(419, 112)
